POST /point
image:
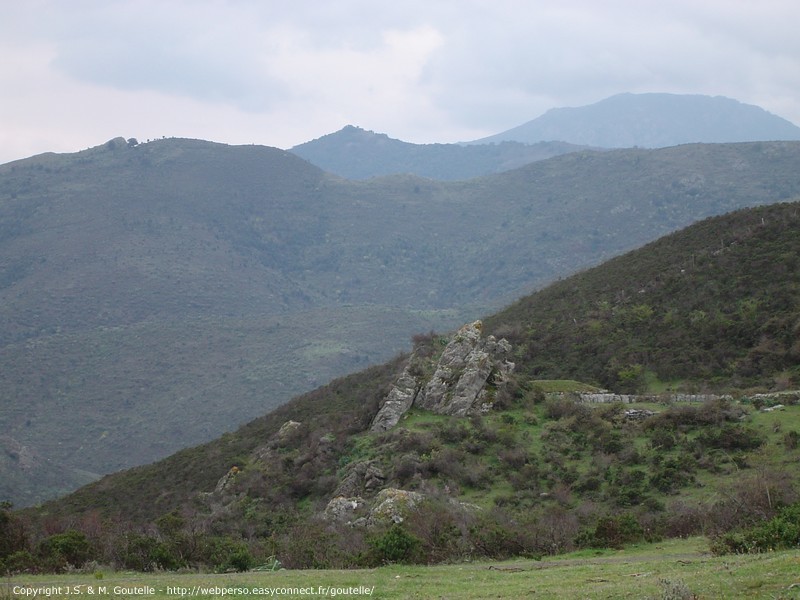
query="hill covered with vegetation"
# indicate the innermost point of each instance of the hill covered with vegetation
(533, 468)
(157, 295)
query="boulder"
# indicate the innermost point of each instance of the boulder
(343, 510)
(393, 505)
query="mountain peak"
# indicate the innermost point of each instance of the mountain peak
(653, 120)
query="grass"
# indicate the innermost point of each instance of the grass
(642, 571)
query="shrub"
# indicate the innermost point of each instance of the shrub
(731, 437)
(20, 561)
(12, 533)
(441, 526)
(671, 475)
(395, 545)
(778, 533)
(137, 552)
(613, 532)
(70, 548)
(561, 408)
(497, 535)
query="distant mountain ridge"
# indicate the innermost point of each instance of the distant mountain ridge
(652, 121)
(621, 121)
(355, 153)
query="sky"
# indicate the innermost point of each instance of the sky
(76, 73)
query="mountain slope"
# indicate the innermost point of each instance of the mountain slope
(154, 296)
(358, 154)
(717, 305)
(652, 121)
(565, 465)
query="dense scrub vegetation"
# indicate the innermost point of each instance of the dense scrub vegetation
(716, 305)
(543, 475)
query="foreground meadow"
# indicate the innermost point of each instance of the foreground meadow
(674, 569)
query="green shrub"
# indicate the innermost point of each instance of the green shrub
(20, 561)
(70, 548)
(671, 475)
(612, 532)
(225, 554)
(395, 545)
(778, 533)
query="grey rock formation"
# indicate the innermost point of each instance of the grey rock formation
(226, 481)
(458, 385)
(468, 363)
(362, 478)
(393, 505)
(398, 401)
(342, 509)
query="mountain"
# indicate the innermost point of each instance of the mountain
(355, 153)
(652, 121)
(529, 467)
(157, 295)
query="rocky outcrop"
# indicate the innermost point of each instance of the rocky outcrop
(467, 368)
(363, 478)
(225, 482)
(391, 505)
(342, 509)
(468, 363)
(400, 398)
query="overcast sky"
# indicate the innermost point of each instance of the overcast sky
(76, 73)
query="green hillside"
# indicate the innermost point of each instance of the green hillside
(157, 295)
(705, 308)
(537, 469)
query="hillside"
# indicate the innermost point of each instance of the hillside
(529, 469)
(652, 121)
(157, 295)
(355, 153)
(714, 306)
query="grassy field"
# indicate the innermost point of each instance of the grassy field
(669, 570)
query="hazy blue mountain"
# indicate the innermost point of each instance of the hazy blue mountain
(355, 153)
(652, 121)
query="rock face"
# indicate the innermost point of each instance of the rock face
(468, 366)
(342, 509)
(363, 478)
(400, 399)
(391, 505)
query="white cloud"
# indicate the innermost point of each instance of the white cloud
(240, 71)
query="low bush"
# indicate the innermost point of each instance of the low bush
(778, 533)
(612, 532)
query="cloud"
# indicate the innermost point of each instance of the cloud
(280, 73)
